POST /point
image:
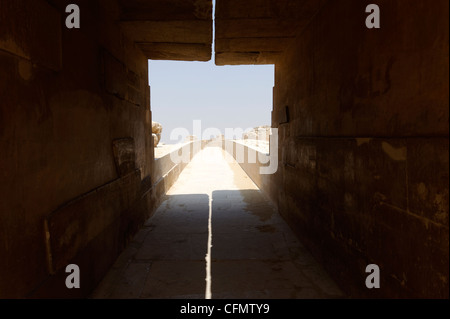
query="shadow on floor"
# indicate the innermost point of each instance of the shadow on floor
(254, 253)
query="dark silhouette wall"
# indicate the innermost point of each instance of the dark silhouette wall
(68, 97)
(364, 152)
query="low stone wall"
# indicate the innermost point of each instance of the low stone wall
(251, 159)
(166, 172)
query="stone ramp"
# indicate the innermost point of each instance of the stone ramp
(254, 254)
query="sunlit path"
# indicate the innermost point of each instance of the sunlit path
(254, 254)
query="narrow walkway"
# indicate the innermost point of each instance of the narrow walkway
(254, 254)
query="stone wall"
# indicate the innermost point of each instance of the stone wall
(251, 160)
(75, 145)
(166, 171)
(363, 123)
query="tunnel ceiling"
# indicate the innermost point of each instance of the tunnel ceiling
(257, 31)
(169, 29)
(247, 32)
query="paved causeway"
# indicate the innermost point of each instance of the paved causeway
(216, 236)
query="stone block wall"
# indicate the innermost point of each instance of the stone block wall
(69, 192)
(251, 161)
(363, 122)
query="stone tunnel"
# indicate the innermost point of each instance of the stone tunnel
(362, 117)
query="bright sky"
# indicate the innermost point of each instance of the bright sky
(220, 96)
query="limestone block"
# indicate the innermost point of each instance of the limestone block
(115, 75)
(156, 133)
(261, 133)
(124, 156)
(191, 138)
(156, 139)
(71, 228)
(31, 30)
(156, 128)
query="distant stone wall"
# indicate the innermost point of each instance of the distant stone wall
(251, 167)
(166, 172)
(258, 133)
(157, 129)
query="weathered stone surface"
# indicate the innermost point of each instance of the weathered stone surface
(63, 105)
(277, 44)
(115, 75)
(156, 133)
(236, 51)
(170, 30)
(267, 9)
(363, 176)
(31, 30)
(252, 57)
(156, 139)
(258, 32)
(157, 128)
(70, 229)
(177, 51)
(261, 133)
(163, 10)
(124, 156)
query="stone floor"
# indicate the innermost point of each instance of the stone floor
(254, 254)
